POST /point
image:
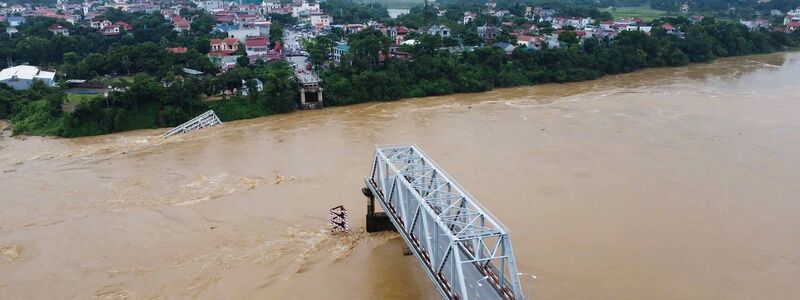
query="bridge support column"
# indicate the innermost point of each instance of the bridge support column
(376, 221)
(302, 96)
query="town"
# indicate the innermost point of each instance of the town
(101, 65)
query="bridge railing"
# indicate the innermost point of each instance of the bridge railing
(464, 250)
(207, 119)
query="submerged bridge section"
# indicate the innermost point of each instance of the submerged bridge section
(464, 250)
(207, 119)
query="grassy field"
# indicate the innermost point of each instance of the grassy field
(78, 98)
(645, 12)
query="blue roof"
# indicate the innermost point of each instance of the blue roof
(503, 45)
(342, 47)
(225, 28)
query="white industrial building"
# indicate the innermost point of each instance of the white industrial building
(22, 77)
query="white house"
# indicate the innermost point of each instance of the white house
(439, 30)
(241, 34)
(469, 17)
(321, 19)
(58, 30)
(211, 5)
(257, 84)
(21, 77)
(305, 8)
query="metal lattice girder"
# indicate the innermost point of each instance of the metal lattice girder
(207, 119)
(464, 250)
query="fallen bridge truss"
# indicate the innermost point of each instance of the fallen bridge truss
(464, 250)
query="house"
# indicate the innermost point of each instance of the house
(18, 8)
(111, 30)
(304, 8)
(100, 24)
(211, 5)
(321, 20)
(792, 16)
(525, 40)
(256, 45)
(243, 33)
(398, 33)
(180, 24)
(146, 8)
(755, 24)
(225, 27)
(645, 29)
(58, 30)
(488, 32)
(469, 17)
(22, 77)
(552, 41)
(224, 62)
(696, 19)
(400, 54)
(177, 50)
(123, 25)
(15, 21)
(224, 46)
(257, 84)
(242, 18)
(340, 50)
(353, 28)
(508, 48)
(439, 30)
(792, 26)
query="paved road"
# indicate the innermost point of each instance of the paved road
(291, 40)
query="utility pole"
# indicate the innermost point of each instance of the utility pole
(425, 13)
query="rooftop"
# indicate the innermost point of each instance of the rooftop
(25, 72)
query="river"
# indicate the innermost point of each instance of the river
(671, 183)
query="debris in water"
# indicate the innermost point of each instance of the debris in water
(10, 253)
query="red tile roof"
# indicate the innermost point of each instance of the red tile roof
(124, 25)
(182, 23)
(177, 50)
(256, 42)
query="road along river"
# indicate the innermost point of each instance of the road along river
(673, 183)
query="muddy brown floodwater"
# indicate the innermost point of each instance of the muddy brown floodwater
(675, 183)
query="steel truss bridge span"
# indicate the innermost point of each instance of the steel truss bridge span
(464, 250)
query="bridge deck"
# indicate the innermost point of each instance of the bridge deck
(207, 119)
(464, 250)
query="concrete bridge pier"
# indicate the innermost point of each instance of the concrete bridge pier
(376, 221)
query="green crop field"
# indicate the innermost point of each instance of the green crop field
(645, 12)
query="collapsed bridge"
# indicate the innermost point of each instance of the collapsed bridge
(463, 249)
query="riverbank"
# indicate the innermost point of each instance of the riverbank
(361, 79)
